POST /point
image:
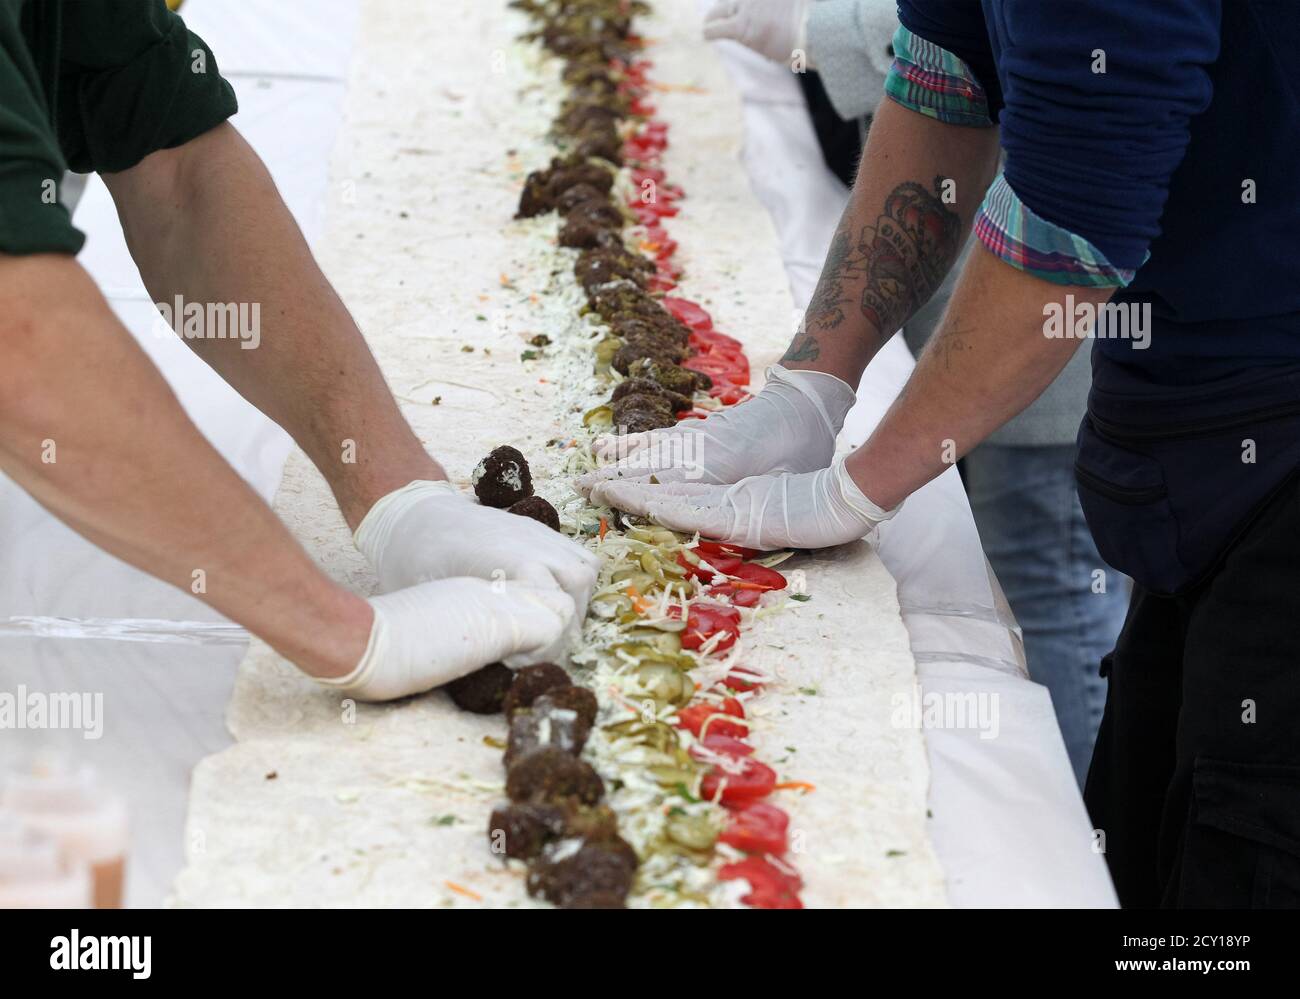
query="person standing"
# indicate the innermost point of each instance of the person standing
(1069, 603)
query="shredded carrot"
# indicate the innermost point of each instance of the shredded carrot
(462, 890)
(638, 602)
(795, 785)
(505, 280)
(604, 527)
(745, 584)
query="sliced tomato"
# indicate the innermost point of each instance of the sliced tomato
(725, 549)
(742, 679)
(726, 745)
(649, 214)
(759, 575)
(660, 282)
(738, 598)
(641, 108)
(770, 887)
(720, 368)
(689, 313)
(696, 718)
(729, 395)
(751, 781)
(758, 828)
(720, 563)
(655, 175)
(705, 620)
(662, 245)
(711, 339)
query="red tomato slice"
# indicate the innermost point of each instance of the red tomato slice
(721, 563)
(649, 214)
(753, 780)
(711, 339)
(689, 313)
(725, 549)
(660, 283)
(742, 679)
(738, 598)
(723, 373)
(695, 717)
(758, 828)
(770, 886)
(759, 575)
(726, 745)
(642, 108)
(655, 175)
(704, 620)
(729, 395)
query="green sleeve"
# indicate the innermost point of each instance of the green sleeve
(133, 80)
(32, 220)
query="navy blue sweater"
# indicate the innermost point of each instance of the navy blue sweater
(1187, 147)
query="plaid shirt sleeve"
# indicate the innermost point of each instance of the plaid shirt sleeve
(1028, 242)
(932, 81)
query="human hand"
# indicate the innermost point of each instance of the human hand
(432, 633)
(809, 510)
(790, 426)
(772, 28)
(431, 530)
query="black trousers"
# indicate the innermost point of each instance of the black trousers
(1195, 779)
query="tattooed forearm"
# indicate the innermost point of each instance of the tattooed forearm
(888, 271)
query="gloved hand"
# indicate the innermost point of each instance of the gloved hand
(790, 426)
(429, 634)
(811, 510)
(772, 28)
(431, 530)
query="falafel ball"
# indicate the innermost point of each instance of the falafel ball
(482, 692)
(532, 682)
(571, 698)
(550, 774)
(520, 831)
(644, 386)
(545, 724)
(502, 478)
(538, 509)
(563, 875)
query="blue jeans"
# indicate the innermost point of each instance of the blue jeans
(1069, 603)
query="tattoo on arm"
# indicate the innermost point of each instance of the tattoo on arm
(890, 270)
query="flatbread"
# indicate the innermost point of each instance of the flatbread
(329, 803)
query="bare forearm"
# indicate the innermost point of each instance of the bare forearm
(205, 222)
(90, 429)
(989, 360)
(917, 192)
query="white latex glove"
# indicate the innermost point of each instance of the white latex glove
(790, 426)
(430, 634)
(431, 530)
(772, 28)
(811, 510)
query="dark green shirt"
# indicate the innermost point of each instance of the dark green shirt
(92, 85)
